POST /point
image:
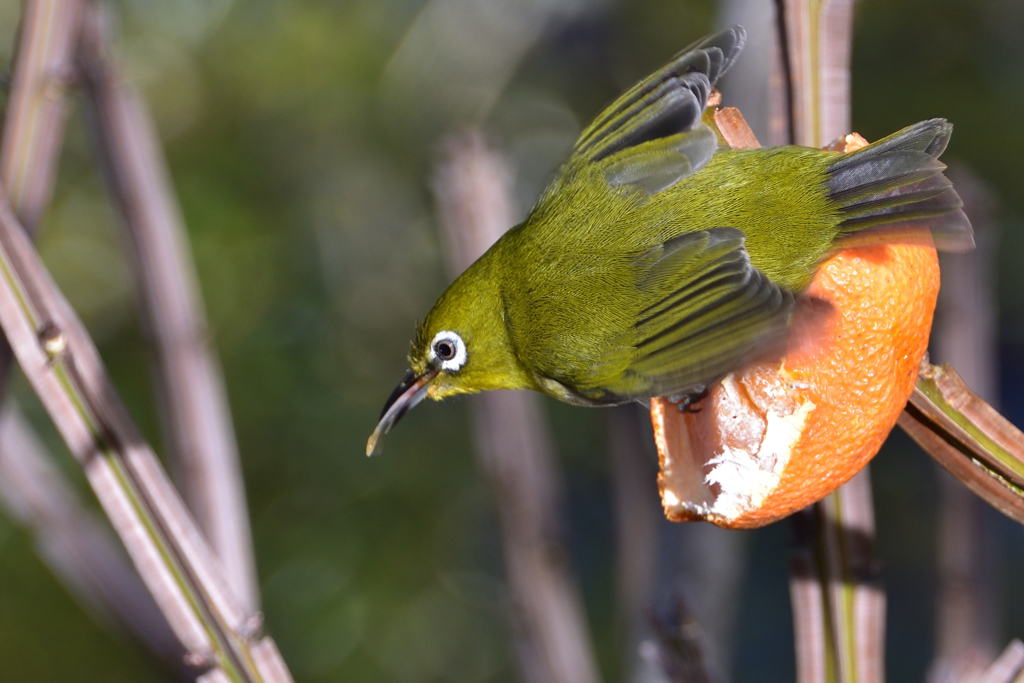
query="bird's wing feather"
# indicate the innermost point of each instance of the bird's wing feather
(652, 136)
(706, 311)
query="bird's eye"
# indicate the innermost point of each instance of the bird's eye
(448, 348)
(444, 349)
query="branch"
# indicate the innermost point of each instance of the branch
(838, 602)
(513, 445)
(196, 414)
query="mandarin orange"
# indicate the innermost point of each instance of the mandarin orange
(773, 438)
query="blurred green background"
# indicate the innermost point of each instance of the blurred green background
(301, 137)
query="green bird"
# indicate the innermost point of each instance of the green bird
(658, 259)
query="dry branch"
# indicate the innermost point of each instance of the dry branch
(513, 445)
(196, 414)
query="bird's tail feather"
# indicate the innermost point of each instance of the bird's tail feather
(894, 191)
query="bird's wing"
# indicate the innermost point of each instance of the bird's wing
(706, 311)
(652, 136)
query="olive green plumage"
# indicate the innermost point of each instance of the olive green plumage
(658, 259)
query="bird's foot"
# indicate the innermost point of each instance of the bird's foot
(688, 403)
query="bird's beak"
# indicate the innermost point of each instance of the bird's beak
(407, 394)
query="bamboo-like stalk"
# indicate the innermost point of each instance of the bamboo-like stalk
(855, 597)
(65, 370)
(817, 45)
(965, 335)
(680, 655)
(63, 366)
(814, 658)
(838, 604)
(635, 505)
(968, 437)
(512, 443)
(943, 415)
(36, 109)
(848, 644)
(73, 542)
(956, 427)
(197, 418)
(1008, 667)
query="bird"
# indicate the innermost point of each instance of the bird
(658, 259)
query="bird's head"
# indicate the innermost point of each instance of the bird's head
(462, 347)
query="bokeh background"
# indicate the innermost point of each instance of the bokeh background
(301, 137)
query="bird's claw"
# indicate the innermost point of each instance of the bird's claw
(688, 402)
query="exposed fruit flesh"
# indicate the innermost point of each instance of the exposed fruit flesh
(776, 437)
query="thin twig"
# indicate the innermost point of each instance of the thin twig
(513, 445)
(35, 115)
(65, 370)
(786, 71)
(196, 413)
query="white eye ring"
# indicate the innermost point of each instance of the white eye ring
(449, 361)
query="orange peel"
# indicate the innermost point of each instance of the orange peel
(775, 437)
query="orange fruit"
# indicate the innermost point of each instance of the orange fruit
(773, 438)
